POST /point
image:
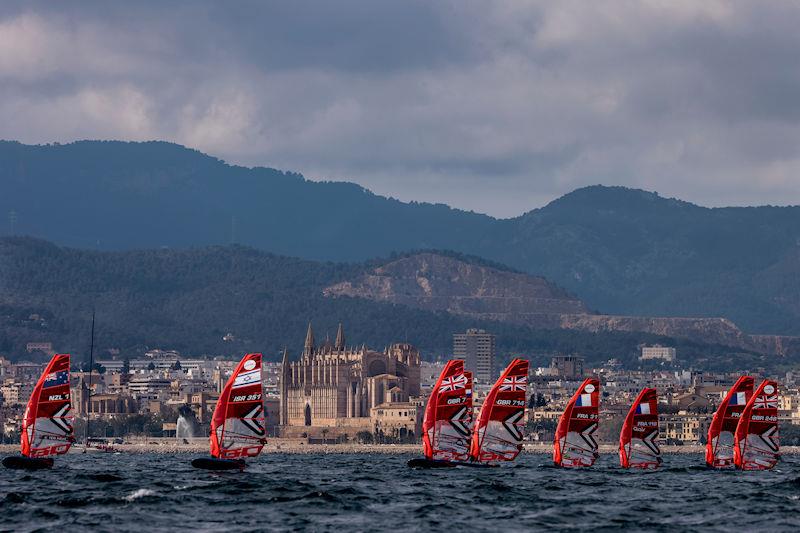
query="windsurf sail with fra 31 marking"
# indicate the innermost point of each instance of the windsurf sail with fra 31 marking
(447, 426)
(719, 445)
(500, 427)
(637, 440)
(237, 426)
(47, 422)
(574, 444)
(756, 439)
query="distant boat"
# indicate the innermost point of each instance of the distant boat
(574, 444)
(720, 442)
(47, 423)
(237, 426)
(501, 426)
(447, 423)
(756, 439)
(637, 440)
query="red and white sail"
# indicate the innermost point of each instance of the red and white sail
(501, 425)
(637, 440)
(574, 444)
(756, 444)
(47, 422)
(237, 426)
(447, 426)
(719, 445)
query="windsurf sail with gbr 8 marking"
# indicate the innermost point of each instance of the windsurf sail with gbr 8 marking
(719, 445)
(500, 428)
(447, 425)
(637, 440)
(756, 439)
(574, 444)
(47, 422)
(237, 426)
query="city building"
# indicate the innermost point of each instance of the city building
(568, 366)
(664, 353)
(477, 348)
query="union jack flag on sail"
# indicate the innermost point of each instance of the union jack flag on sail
(514, 383)
(766, 402)
(453, 383)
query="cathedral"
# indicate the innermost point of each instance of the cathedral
(336, 386)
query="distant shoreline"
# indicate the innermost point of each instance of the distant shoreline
(293, 447)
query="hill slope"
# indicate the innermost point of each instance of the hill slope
(621, 251)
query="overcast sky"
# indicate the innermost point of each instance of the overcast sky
(498, 107)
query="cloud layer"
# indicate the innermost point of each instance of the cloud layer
(497, 107)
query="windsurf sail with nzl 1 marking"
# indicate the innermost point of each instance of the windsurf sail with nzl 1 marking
(637, 440)
(47, 422)
(719, 445)
(574, 444)
(500, 427)
(447, 426)
(756, 437)
(237, 426)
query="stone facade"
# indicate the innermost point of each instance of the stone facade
(334, 385)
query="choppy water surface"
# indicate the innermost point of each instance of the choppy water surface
(371, 492)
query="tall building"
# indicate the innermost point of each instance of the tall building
(336, 386)
(568, 366)
(476, 347)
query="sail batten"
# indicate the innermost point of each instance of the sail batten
(447, 425)
(237, 426)
(47, 423)
(756, 444)
(720, 441)
(638, 446)
(501, 425)
(574, 444)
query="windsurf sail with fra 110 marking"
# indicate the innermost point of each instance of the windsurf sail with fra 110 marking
(47, 422)
(756, 439)
(500, 428)
(719, 445)
(237, 426)
(574, 444)
(447, 426)
(637, 440)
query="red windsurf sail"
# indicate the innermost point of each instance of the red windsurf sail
(756, 437)
(637, 440)
(500, 427)
(574, 444)
(447, 426)
(47, 422)
(719, 445)
(237, 427)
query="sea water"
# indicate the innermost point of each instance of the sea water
(366, 492)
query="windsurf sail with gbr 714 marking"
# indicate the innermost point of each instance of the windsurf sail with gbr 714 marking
(756, 438)
(447, 426)
(719, 446)
(637, 440)
(237, 426)
(47, 422)
(500, 427)
(574, 443)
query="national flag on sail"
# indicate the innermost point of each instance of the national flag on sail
(643, 409)
(766, 402)
(247, 378)
(738, 398)
(453, 383)
(584, 400)
(514, 383)
(54, 379)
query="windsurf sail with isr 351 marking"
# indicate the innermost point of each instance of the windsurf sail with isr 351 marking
(574, 444)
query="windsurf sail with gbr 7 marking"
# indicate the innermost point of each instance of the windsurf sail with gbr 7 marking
(574, 443)
(447, 426)
(756, 438)
(237, 426)
(47, 422)
(501, 425)
(719, 445)
(637, 440)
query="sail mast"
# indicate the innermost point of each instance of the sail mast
(89, 389)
